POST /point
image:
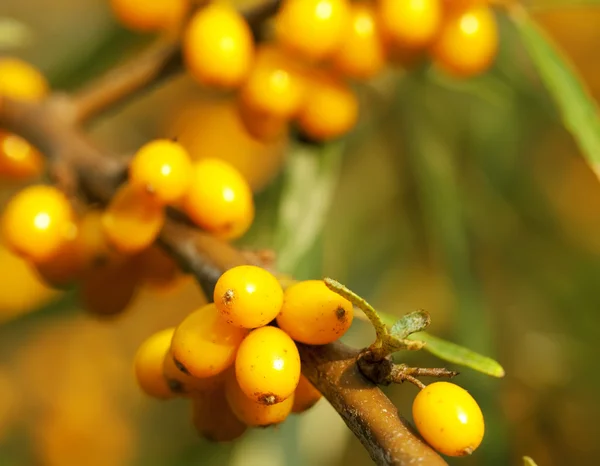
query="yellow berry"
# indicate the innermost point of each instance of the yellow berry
(204, 344)
(467, 43)
(219, 199)
(262, 126)
(186, 384)
(132, 220)
(248, 296)
(252, 413)
(213, 418)
(218, 47)
(305, 396)
(313, 314)
(18, 159)
(314, 29)
(362, 54)
(65, 266)
(148, 364)
(146, 16)
(37, 221)
(267, 365)
(410, 23)
(19, 80)
(448, 418)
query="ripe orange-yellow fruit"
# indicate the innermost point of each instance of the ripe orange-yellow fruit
(213, 418)
(204, 344)
(218, 46)
(19, 80)
(410, 23)
(313, 314)
(163, 169)
(331, 110)
(157, 268)
(252, 413)
(219, 199)
(262, 126)
(467, 43)
(132, 220)
(37, 221)
(18, 159)
(248, 296)
(314, 29)
(267, 365)
(362, 55)
(448, 418)
(185, 384)
(148, 364)
(146, 16)
(305, 396)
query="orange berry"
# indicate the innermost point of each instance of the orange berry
(314, 29)
(19, 80)
(204, 344)
(63, 267)
(267, 365)
(248, 296)
(145, 16)
(448, 418)
(467, 43)
(410, 23)
(362, 54)
(218, 46)
(305, 396)
(132, 220)
(185, 384)
(157, 268)
(18, 158)
(37, 221)
(93, 245)
(213, 418)
(252, 413)
(313, 314)
(148, 364)
(330, 111)
(219, 199)
(261, 126)
(162, 168)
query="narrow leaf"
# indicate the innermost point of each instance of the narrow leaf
(410, 323)
(527, 461)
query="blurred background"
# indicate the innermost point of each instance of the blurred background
(464, 198)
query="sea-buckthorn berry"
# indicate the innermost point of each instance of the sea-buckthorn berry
(219, 199)
(410, 23)
(314, 29)
(448, 418)
(261, 126)
(19, 80)
(157, 268)
(305, 396)
(162, 168)
(248, 296)
(213, 418)
(65, 266)
(145, 16)
(184, 384)
(362, 54)
(218, 47)
(267, 365)
(204, 344)
(467, 43)
(252, 413)
(18, 159)
(330, 110)
(132, 220)
(313, 314)
(37, 221)
(275, 85)
(148, 364)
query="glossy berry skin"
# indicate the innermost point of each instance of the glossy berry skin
(213, 418)
(313, 29)
(18, 159)
(267, 366)
(132, 220)
(21, 81)
(362, 54)
(145, 16)
(218, 47)
(148, 364)
(219, 199)
(185, 384)
(305, 396)
(467, 43)
(250, 412)
(204, 345)
(410, 23)
(248, 296)
(313, 314)
(330, 111)
(37, 221)
(448, 418)
(163, 169)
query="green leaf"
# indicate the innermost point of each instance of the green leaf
(457, 354)
(410, 323)
(527, 461)
(578, 109)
